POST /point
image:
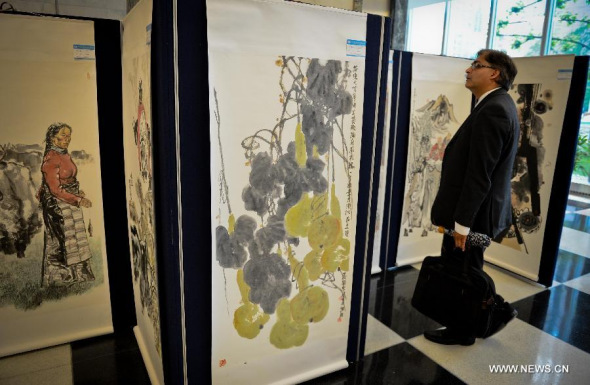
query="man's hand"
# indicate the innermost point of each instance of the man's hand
(459, 240)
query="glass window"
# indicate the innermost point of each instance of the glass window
(571, 35)
(467, 27)
(425, 26)
(519, 27)
(571, 28)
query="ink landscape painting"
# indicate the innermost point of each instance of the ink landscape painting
(440, 103)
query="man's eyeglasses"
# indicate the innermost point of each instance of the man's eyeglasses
(477, 65)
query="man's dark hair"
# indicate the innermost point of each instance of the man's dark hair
(503, 63)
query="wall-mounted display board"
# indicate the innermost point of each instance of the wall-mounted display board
(54, 286)
(290, 135)
(550, 111)
(137, 138)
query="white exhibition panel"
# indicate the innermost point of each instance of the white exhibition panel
(440, 103)
(48, 75)
(262, 82)
(137, 144)
(550, 77)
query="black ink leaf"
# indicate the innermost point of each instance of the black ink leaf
(269, 281)
(244, 230)
(254, 200)
(230, 254)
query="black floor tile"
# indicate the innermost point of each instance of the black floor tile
(392, 305)
(560, 311)
(112, 359)
(400, 364)
(570, 266)
(383, 279)
(104, 345)
(391, 277)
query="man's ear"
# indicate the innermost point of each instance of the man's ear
(495, 75)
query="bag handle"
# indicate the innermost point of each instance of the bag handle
(473, 240)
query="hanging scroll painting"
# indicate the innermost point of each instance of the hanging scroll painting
(53, 269)
(540, 92)
(440, 103)
(137, 138)
(286, 114)
(285, 160)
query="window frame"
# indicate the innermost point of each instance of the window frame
(547, 32)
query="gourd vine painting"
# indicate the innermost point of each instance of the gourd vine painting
(288, 243)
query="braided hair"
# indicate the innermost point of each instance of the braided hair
(52, 131)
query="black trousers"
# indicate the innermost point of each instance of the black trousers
(474, 255)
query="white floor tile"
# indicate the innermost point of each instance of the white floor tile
(518, 344)
(510, 287)
(575, 241)
(379, 336)
(37, 360)
(582, 283)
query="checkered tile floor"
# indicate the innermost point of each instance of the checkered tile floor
(548, 343)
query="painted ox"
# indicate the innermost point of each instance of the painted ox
(19, 208)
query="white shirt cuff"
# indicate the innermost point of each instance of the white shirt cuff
(461, 229)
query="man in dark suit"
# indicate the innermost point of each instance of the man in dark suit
(474, 197)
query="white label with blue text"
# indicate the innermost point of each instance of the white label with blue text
(84, 52)
(356, 48)
(564, 74)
